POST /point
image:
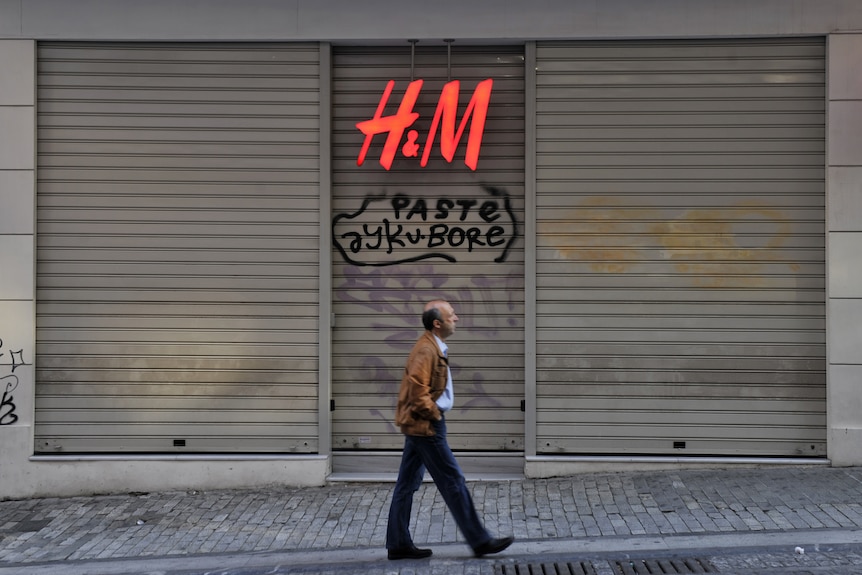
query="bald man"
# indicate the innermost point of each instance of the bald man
(426, 394)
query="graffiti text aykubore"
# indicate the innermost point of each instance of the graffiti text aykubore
(438, 228)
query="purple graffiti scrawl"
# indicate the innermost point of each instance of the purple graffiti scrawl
(394, 296)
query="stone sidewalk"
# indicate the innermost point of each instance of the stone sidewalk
(548, 516)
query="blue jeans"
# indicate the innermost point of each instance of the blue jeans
(432, 453)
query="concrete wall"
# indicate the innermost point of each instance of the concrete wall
(22, 22)
(844, 256)
(400, 20)
(17, 258)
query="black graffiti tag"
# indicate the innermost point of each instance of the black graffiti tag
(17, 361)
(437, 229)
(7, 402)
(9, 384)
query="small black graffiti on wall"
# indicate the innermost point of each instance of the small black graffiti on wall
(7, 402)
(388, 231)
(8, 384)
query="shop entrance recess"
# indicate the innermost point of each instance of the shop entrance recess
(409, 225)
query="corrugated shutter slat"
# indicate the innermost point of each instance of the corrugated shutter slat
(178, 238)
(378, 301)
(680, 248)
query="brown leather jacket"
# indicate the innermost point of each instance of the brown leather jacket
(424, 381)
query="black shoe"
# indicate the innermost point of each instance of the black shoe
(411, 552)
(493, 546)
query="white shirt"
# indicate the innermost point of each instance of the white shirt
(447, 399)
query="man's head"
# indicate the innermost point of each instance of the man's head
(439, 318)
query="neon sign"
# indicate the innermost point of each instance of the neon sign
(445, 118)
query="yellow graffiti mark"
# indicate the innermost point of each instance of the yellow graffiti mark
(601, 233)
(708, 249)
(707, 245)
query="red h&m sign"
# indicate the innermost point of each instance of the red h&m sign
(444, 118)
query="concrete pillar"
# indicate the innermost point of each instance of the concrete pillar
(17, 259)
(844, 251)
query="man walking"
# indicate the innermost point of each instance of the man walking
(426, 394)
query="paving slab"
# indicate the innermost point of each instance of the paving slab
(593, 517)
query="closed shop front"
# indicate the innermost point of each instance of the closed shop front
(678, 227)
(177, 247)
(406, 233)
(680, 248)
(220, 228)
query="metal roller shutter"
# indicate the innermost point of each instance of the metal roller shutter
(680, 207)
(177, 248)
(379, 289)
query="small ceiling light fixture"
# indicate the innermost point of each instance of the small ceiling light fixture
(412, 57)
(449, 59)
